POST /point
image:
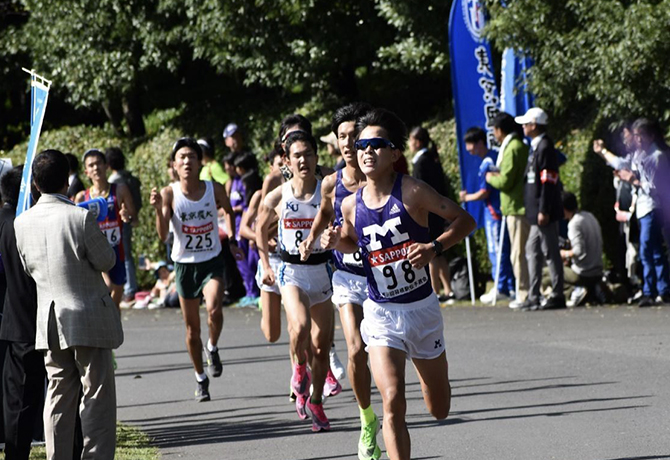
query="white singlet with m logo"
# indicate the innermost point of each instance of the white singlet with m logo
(296, 219)
(196, 227)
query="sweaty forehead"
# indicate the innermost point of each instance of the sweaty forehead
(185, 151)
(300, 148)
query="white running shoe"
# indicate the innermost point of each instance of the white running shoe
(488, 297)
(336, 366)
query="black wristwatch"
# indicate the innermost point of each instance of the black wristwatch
(437, 247)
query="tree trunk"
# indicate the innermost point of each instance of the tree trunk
(132, 112)
(113, 112)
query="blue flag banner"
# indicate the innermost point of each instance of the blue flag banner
(476, 100)
(515, 97)
(39, 93)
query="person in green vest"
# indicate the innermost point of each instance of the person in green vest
(511, 161)
(211, 169)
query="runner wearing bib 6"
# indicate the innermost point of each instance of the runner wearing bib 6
(388, 221)
(120, 210)
(305, 285)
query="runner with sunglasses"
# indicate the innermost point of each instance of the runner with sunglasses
(387, 220)
(349, 283)
(191, 205)
(305, 285)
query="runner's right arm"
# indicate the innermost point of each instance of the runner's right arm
(343, 239)
(162, 203)
(266, 214)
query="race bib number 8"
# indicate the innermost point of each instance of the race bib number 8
(294, 232)
(199, 239)
(393, 273)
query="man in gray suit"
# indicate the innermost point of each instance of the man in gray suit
(64, 251)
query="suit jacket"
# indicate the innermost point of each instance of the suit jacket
(64, 251)
(542, 192)
(429, 169)
(75, 187)
(20, 310)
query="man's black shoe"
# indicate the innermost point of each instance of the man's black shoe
(202, 391)
(214, 365)
(554, 303)
(645, 301)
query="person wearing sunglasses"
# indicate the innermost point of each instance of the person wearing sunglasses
(387, 220)
(191, 206)
(349, 283)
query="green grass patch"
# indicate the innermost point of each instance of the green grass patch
(131, 444)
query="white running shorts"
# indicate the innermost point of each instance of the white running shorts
(415, 328)
(349, 288)
(275, 262)
(313, 280)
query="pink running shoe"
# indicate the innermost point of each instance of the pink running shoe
(300, 405)
(301, 379)
(319, 420)
(331, 386)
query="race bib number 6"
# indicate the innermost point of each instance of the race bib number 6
(112, 232)
(394, 274)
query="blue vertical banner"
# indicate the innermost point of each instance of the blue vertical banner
(515, 97)
(39, 93)
(476, 100)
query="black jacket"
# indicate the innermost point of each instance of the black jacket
(429, 169)
(20, 310)
(542, 190)
(75, 187)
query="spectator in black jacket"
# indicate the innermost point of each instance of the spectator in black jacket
(24, 374)
(426, 166)
(544, 209)
(75, 185)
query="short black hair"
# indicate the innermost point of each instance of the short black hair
(186, 142)
(421, 134)
(230, 159)
(246, 161)
(389, 121)
(51, 171)
(207, 146)
(115, 158)
(275, 152)
(474, 135)
(299, 136)
(349, 112)
(505, 123)
(95, 153)
(292, 120)
(73, 162)
(10, 185)
(569, 201)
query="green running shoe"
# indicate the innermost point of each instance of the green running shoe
(367, 444)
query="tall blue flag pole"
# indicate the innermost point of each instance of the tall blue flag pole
(476, 100)
(39, 93)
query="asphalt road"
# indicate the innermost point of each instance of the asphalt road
(588, 383)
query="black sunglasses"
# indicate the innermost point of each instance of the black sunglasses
(376, 143)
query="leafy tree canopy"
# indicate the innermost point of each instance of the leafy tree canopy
(595, 60)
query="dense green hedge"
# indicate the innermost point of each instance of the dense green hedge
(584, 173)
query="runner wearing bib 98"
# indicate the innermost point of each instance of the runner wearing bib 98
(349, 282)
(120, 210)
(388, 220)
(191, 206)
(305, 285)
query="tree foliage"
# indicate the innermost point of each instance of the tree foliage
(595, 60)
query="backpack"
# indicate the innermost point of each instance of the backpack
(460, 282)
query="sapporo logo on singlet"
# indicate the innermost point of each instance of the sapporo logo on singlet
(199, 238)
(393, 273)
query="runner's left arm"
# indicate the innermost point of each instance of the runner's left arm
(323, 218)
(343, 239)
(421, 199)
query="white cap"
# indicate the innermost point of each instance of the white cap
(330, 138)
(534, 115)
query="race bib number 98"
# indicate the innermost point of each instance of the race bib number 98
(394, 274)
(199, 238)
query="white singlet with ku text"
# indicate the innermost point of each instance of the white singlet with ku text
(196, 228)
(296, 220)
